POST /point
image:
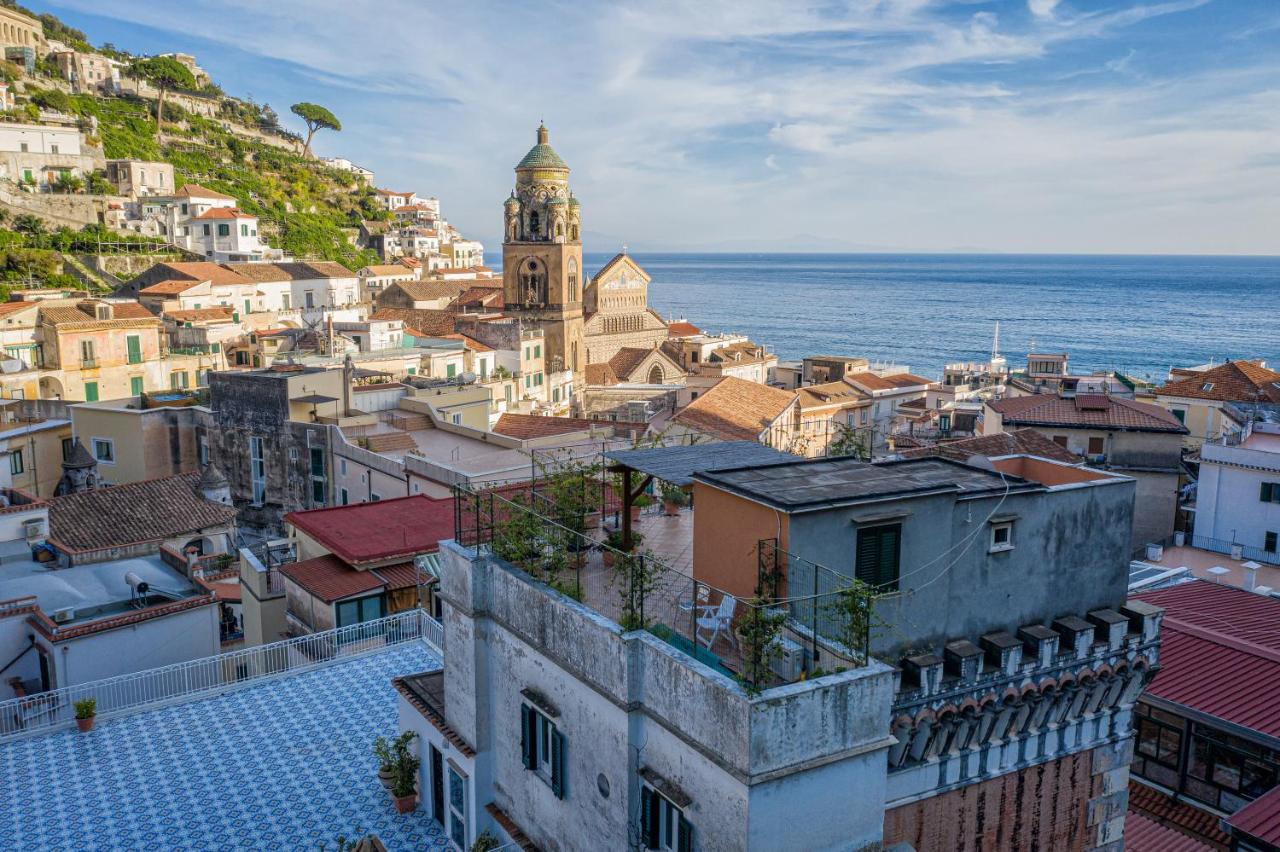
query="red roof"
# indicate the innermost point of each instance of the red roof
(1086, 411)
(1142, 834)
(1172, 814)
(1260, 818)
(225, 213)
(385, 529)
(329, 578)
(682, 329)
(1220, 653)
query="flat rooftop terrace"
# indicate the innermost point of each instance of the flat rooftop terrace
(94, 589)
(814, 484)
(282, 765)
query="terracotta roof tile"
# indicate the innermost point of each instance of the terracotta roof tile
(221, 312)
(1020, 441)
(600, 375)
(315, 269)
(202, 270)
(525, 426)
(364, 533)
(402, 575)
(1234, 381)
(626, 359)
(258, 272)
(432, 323)
(873, 382)
(1175, 815)
(426, 291)
(195, 190)
(10, 308)
(144, 511)
(225, 213)
(329, 578)
(682, 329)
(170, 287)
(1144, 834)
(130, 310)
(830, 393)
(1086, 411)
(388, 269)
(735, 409)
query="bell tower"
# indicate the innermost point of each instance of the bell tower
(542, 278)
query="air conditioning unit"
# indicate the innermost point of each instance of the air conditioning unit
(34, 529)
(789, 664)
(62, 616)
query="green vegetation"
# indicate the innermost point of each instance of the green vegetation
(166, 74)
(316, 118)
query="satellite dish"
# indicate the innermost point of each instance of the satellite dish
(467, 377)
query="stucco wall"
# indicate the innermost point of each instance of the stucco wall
(186, 635)
(726, 533)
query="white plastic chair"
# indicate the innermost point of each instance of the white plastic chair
(717, 619)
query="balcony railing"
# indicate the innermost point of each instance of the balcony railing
(211, 676)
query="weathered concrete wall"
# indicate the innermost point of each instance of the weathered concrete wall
(1070, 555)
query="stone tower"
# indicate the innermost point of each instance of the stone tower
(542, 278)
(213, 485)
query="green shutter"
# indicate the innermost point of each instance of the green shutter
(91, 391)
(649, 818)
(528, 735)
(557, 763)
(877, 558)
(135, 386)
(134, 344)
(684, 838)
(867, 566)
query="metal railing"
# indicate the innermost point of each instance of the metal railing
(203, 678)
(1214, 545)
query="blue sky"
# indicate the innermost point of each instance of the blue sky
(931, 125)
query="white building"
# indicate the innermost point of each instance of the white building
(391, 200)
(374, 279)
(39, 154)
(347, 166)
(1238, 495)
(208, 222)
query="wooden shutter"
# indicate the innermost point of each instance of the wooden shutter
(684, 836)
(1265, 492)
(528, 737)
(877, 557)
(557, 763)
(649, 818)
(890, 540)
(866, 569)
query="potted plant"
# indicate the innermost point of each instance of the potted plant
(386, 761)
(86, 710)
(404, 781)
(638, 504)
(674, 498)
(613, 545)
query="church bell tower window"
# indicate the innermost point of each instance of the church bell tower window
(533, 283)
(534, 229)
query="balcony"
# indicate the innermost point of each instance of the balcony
(1241, 456)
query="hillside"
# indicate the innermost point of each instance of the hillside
(305, 208)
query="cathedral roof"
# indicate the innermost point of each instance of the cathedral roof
(542, 155)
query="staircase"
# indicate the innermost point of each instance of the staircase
(409, 422)
(390, 442)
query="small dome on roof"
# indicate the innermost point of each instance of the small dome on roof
(513, 201)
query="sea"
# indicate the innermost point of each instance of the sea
(1137, 314)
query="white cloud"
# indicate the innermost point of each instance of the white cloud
(1043, 8)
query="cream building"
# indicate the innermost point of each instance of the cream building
(19, 30)
(617, 311)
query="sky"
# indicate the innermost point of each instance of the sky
(1063, 126)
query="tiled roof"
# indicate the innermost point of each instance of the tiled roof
(170, 287)
(202, 270)
(221, 312)
(426, 291)
(144, 511)
(315, 269)
(470, 342)
(1143, 834)
(1178, 816)
(388, 269)
(735, 409)
(431, 323)
(1086, 411)
(626, 359)
(363, 533)
(490, 297)
(1260, 818)
(9, 308)
(130, 310)
(682, 329)
(123, 312)
(195, 190)
(402, 575)
(829, 393)
(259, 272)
(1220, 653)
(225, 213)
(1019, 441)
(600, 374)
(329, 578)
(873, 382)
(1234, 381)
(525, 426)
(393, 192)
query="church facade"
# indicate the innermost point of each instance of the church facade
(617, 311)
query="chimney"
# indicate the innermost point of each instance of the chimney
(1250, 575)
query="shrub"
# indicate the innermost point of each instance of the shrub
(86, 708)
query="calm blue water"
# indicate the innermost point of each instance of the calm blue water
(1139, 314)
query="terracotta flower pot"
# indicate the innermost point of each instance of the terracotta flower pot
(85, 724)
(405, 804)
(635, 513)
(672, 509)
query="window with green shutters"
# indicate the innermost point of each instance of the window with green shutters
(90, 391)
(542, 748)
(877, 558)
(663, 824)
(134, 344)
(135, 385)
(1270, 492)
(450, 370)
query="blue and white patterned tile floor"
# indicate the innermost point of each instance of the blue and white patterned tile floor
(284, 765)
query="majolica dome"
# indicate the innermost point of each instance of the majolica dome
(557, 200)
(542, 155)
(513, 201)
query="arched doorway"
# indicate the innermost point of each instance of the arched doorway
(655, 374)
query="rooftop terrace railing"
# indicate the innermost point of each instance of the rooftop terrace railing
(210, 676)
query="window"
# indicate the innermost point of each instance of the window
(1060, 440)
(88, 354)
(257, 470)
(224, 230)
(24, 147)
(664, 824)
(284, 301)
(206, 230)
(1270, 492)
(90, 391)
(68, 444)
(359, 610)
(1097, 446)
(537, 379)
(450, 370)
(244, 230)
(1180, 414)
(53, 148)
(374, 497)
(135, 385)
(309, 299)
(542, 747)
(1001, 537)
(202, 378)
(457, 807)
(1158, 749)
(178, 380)
(203, 450)
(104, 450)
(184, 210)
(342, 495)
(877, 557)
(1207, 386)
(248, 306)
(134, 344)
(1225, 771)
(15, 462)
(537, 351)
(1269, 541)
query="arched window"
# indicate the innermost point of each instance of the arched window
(655, 374)
(535, 229)
(573, 280)
(573, 232)
(533, 282)
(574, 356)
(559, 230)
